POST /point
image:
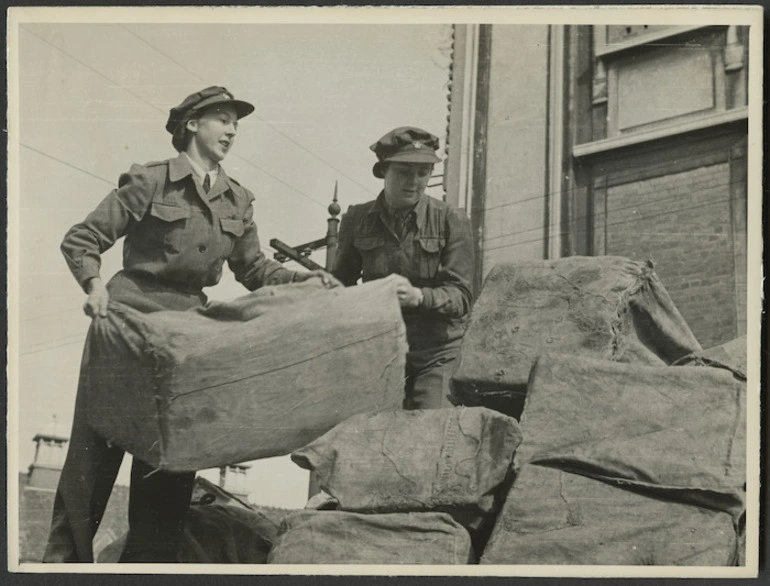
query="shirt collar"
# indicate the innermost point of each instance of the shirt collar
(199, 171)
(381, 207)
(180, 167)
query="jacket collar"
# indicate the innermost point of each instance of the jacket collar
(179, 168)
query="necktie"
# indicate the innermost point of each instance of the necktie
(207, 183)
(400, 223)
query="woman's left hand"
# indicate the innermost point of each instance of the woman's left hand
(329, 281)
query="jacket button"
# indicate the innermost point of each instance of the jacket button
(202, 248)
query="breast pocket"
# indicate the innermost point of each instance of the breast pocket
(374, 257)
(232, 228)
(168, 223)
(428, 251)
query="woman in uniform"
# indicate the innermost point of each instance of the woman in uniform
(181, 219)
(425, 241)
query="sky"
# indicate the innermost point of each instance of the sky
(94, 98)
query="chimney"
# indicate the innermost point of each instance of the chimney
(233, 479)
(50, 452)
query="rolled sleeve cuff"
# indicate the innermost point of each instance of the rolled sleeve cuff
(87, 271)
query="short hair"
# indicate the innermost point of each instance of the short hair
(379, 169)
(182, 135)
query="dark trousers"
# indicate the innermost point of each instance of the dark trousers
(158, 500)
(428, 374)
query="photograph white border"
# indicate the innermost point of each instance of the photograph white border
(738, 15)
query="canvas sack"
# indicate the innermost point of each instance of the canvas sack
(600, 307)
(674, 432)
(337, 537)
(253, 378)
(555, 517)
(451, 460)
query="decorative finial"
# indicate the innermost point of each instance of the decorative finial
(334, 207)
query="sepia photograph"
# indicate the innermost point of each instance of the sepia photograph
(385, 291)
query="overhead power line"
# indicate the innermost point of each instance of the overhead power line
(314, 154)
(65, 163)
(254, 114)
(281, 181)
(537, 195)
(166, 55)
(635, 220)
(609, 211)
(39, 316)
(161, 110)
(49, 348)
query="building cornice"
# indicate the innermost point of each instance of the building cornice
(609, 145)
(611, 50)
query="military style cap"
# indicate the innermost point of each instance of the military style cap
(405, 144)
(214, 95)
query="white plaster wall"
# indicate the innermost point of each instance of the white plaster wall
(516, 146)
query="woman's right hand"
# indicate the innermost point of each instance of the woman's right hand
(98, 298)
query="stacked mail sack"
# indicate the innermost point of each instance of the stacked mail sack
(624, 459)
(408, 487)
(730, 355)
(625, 465)
(255, 377)
(606, 307)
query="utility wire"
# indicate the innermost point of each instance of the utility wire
(111, 183)
(65, 163)
(254, 114)
(159, 109)
(96, 71)
(625, 221)
(557, 192)
(166, 55)
(38, 316)
(279, 180)
(47, 349)
(35, 348)
(64, 339)
(602, 213)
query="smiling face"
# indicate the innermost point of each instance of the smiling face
(406, 182)
(213, 135)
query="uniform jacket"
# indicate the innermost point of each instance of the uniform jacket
(436, 254)
(174, 231)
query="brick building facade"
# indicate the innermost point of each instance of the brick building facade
(609, 140)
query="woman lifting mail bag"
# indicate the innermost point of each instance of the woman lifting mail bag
(429, 244)
(181, 219)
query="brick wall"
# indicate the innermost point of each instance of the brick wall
(682, 222)
(36, 506)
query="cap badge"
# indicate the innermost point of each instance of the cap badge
(417, 144)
